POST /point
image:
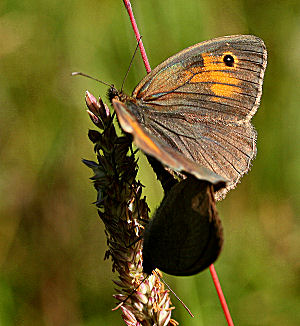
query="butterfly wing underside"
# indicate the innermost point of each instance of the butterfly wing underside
(167, 155)
(200, 101)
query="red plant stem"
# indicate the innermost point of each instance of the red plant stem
(137, 35)
(148, 69)
(221, 295)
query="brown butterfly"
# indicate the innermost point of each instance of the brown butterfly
(193, 111)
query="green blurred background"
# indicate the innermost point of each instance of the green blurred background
(51, 240)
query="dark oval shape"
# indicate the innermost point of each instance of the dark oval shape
(185, 235)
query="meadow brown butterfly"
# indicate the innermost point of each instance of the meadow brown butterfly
(193, 111)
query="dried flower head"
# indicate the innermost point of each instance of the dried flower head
(121, 207)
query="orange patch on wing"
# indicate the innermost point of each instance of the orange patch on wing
(223, 90)
(215, 71)
(215, 77)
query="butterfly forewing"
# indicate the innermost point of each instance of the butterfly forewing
(198, 80)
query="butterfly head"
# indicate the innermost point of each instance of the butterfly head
(112, 93)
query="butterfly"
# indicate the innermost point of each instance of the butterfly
(193, 111)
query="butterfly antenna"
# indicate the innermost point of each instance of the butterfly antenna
(76, 73)
(131, 294)
(166, 284)
(130, 64)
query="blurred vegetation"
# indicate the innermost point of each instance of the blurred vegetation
(52, 242)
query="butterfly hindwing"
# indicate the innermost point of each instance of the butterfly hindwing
(225, 148)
